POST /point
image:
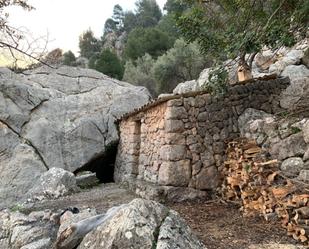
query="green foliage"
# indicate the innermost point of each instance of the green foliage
(88, 44)
(110, 26)
(116, 23)
(181, 63)
(217, 83)
(148, 13)
(168, 25)
(141, 73)
(108, 63)
(236, 27)
(17, 208)
(69, 58)
(129, 22)
(118, 17)
(175, 6)
(146, 40)
(295, 129)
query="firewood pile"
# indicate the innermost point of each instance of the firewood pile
(257, 183)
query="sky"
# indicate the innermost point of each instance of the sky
(65, 20)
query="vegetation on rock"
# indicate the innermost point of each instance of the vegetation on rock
(233, 29)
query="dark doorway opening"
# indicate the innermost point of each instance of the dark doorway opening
(103, 165)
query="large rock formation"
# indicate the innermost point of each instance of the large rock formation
(285, 138)
(142, 224)
(59, 118)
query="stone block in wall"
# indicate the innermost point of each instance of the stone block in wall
(207, 179)
(174, 139)
(218, 159)
(172, 152)
(218, 147)
(176, 174)
(224, 134)
(172, 126)
(149, 175)
(174, 102)
(192, 139)
(188, 125)
(196, 168)
(200, 101)
(195, 157)
(207, 158)
(193, 113)
(176, 113)
(208, 139)
(189, 102)
(214, 107)
(203, 117)
(144, 159)
(196, 148)
(216, 137)
(133, 150)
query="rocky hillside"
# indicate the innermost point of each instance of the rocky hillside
(287, 62)
(61, 118)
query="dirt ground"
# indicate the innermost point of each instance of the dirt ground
(222, 226)
(101, 197)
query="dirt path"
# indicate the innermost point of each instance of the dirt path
(101, 197)
(222, 226)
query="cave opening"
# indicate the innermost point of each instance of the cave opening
(103, 165)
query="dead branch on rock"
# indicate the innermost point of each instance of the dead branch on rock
(17, 43)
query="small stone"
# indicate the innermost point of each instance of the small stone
(306, 155)
(292, 165)
(203, 116)
(306, 132)
(304, 175)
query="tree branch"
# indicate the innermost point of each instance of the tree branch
(10, 47)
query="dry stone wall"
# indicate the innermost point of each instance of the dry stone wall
(181, 142)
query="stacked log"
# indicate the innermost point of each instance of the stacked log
(257, 183)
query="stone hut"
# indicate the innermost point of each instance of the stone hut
(179, 140)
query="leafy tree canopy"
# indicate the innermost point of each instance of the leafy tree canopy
(116, 22)
(69, 58)
(237, 27)
(148, 13)
(88, 44)
(146, 40)
(175, 6)
(181, 63)
(141, 73)
(108, 63)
